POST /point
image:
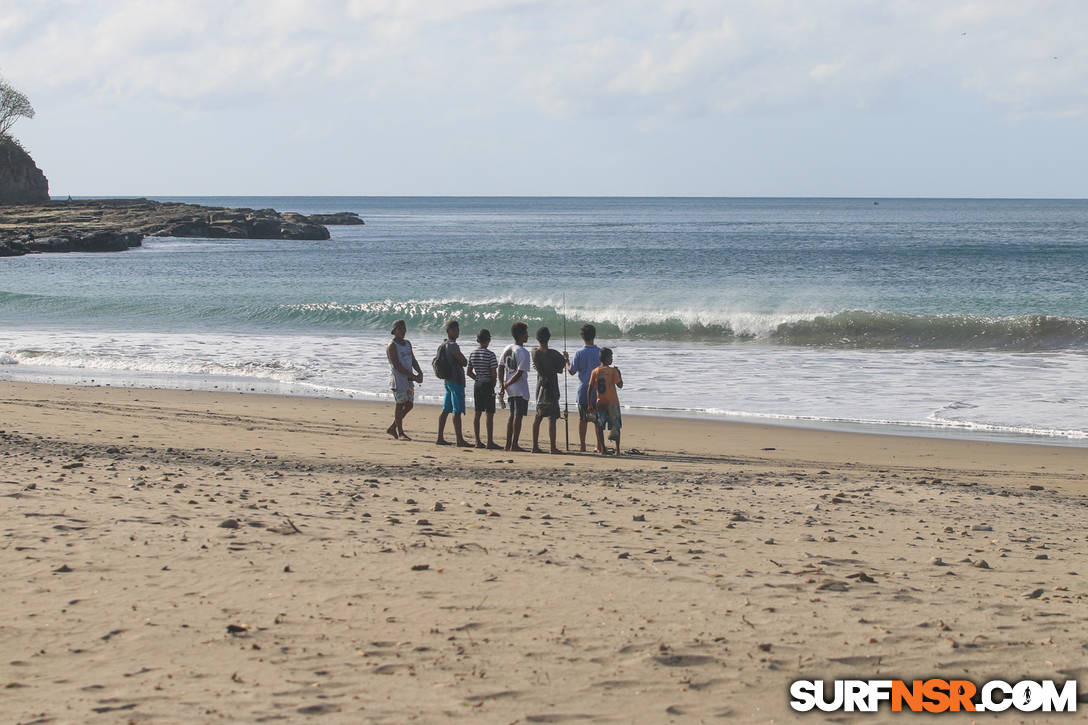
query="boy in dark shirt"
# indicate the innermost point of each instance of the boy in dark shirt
(548, 363)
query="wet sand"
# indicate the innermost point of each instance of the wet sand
(184, 557)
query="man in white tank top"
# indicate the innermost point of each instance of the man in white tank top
(405, 372)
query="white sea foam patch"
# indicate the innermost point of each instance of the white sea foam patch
(1035, 396)
(277, 370)
(627, 318)
(933, 423)
(6, 359)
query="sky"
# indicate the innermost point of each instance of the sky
(878, 98)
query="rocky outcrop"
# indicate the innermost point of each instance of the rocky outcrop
(237, 224)
(105, 241)
(21, 180)
(108, 225)
(339, 218)
(70, 241)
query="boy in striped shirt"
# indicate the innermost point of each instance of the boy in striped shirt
(482, 368)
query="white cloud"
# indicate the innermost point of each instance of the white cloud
(826, 70)
(560, 56)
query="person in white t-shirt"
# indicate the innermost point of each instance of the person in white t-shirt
(404, 373)
(514, 369)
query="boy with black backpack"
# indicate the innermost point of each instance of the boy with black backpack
(449, 364)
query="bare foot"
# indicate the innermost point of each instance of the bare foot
(516, 449)
(584, 448)
(463, 444)
(404, 436)
(556, 452)
(441, 442)
(392, 430)
(481, 445)
(536, 449)
(493, 446)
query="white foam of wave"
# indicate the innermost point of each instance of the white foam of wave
(934, 424)
(741, 323)
(631, 314)
(627, 316)
(1000, 393)
(277, 370)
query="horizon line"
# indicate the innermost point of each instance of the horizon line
(63, 197)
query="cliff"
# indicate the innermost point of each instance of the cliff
(21, 181)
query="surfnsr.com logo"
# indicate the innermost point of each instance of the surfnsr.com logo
(933, 695)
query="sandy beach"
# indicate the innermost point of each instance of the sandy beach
(175, 556)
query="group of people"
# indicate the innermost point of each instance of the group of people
(507, 377)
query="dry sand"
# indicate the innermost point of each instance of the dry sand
(190, 557)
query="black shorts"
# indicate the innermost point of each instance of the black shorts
(585, 415)
(483, 395)
(519, 405)
(547, 409)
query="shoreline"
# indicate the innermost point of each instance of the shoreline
(690, 440)
(179, 556)
(189, 382)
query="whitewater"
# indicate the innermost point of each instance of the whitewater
(934, 317)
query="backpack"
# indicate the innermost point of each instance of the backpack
(443, 369)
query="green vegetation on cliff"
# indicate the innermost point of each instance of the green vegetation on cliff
(21, 180)
(13, 105)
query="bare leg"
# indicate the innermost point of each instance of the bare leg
(407, 408)
(582, 434)
(536, 435)
(510, 430)
(551, 434)
(476, 429)
(442, 427)
(491, 431)
(457, 428)
(600, 440)
(516, 434)
(398, 413)
(617, 443)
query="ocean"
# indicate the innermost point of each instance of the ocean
(940, 317)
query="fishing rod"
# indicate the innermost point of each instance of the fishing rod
(566, 373)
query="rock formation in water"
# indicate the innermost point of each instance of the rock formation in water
(340, 217)
(110, 225)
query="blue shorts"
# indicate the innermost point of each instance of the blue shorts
(608, 415)
(455, 398)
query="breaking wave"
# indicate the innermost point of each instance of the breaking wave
(859, 329)
(848, 329)
(864, 329)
